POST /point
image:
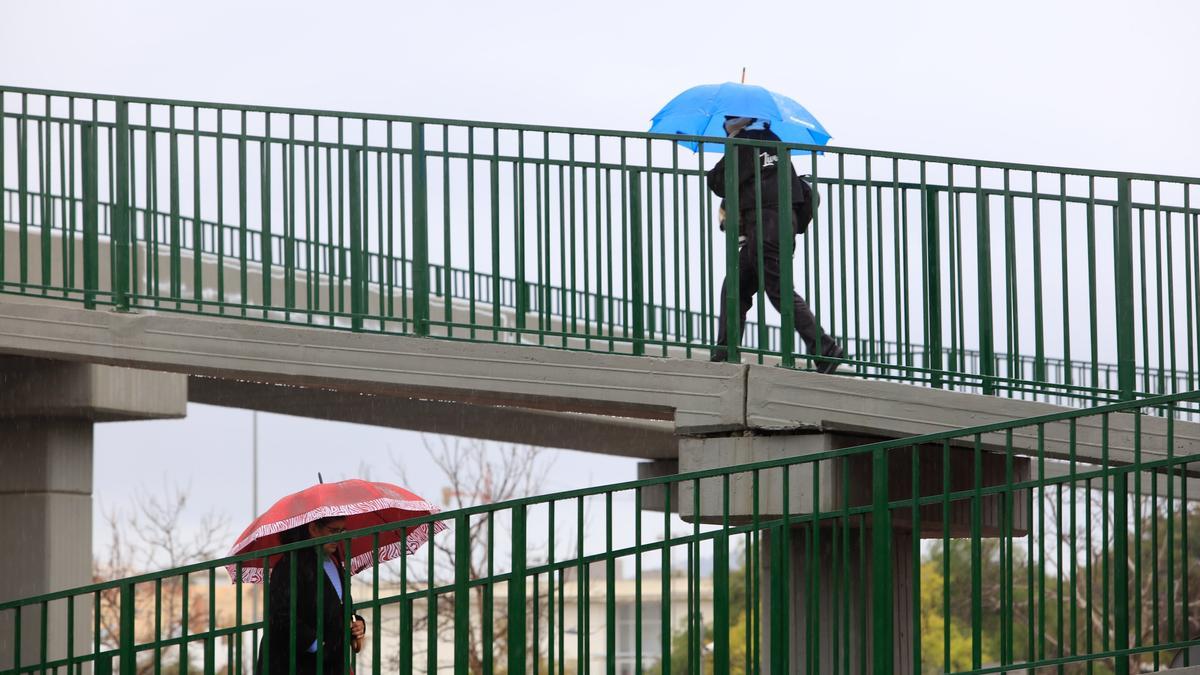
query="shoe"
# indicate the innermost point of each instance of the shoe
(719, 354)
(826, 366)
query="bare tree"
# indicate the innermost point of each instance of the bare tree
(475, 472)
(151, 536)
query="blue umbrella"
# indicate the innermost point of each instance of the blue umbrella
(701, 111)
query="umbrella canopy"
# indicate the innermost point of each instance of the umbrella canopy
(701, 111)
(362, 503)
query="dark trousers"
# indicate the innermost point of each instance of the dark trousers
(806, 323)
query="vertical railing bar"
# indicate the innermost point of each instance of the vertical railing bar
(23, 195)
(522, 300)
(637, 579)
(1038, 317)
(1169, 316)
(197, 226)
(787, 305)
(946, 619)
(870, 350)
(312, 226)
(1012, 294)
(176, 255)
(634, 261)
(550, 618)
(666, 592)
(432, 614)
(1066, 304)
(462, 594)
(1092, 273)
(220, 230)
(732, 305)
(1105, 597)
(420, 215)
(516, 595)
(1072, 459)
(977, 554)
(91, 235)
(405, 657)
(119, 239)
(45, 204)
(983, 235)
(610, 587)
(931, 256)
(1144, 307)
(185, 623)
(1124, 287)
(881, 577)
(66, 201)
(287, 156)
(1172, 613)
(243, 215)
(127, 638)
(266, 238)
(471, 286)
(495, 233)
(447, 303)
(1121, 571)
(358, 269)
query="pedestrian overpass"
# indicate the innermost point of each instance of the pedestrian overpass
(558, 286)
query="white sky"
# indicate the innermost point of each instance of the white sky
(1097, 84)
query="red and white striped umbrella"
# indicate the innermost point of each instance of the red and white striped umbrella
(362, 503)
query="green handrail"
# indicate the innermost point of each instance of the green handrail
(560, 225)
(969, 514)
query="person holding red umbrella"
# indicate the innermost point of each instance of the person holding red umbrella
(317, 575)
(317, 570)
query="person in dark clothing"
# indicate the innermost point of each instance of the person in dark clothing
(309, 563)
(817, 341)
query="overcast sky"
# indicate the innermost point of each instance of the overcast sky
(1097, 84)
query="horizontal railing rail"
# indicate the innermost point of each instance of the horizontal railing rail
(1062, 540)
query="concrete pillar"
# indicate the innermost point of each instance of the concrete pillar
(47, 412)
(829, 564)
(829, 608)
(46, 527)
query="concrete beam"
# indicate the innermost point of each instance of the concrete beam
(647, 439)
(778, 399)
(654, 498)
(696, 395)
(700, 397)
(830, 485)
(58, 389)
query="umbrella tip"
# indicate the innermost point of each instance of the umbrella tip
(320, 479)
(743, 74)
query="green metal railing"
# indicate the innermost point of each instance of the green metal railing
(1059, 543)
(685, 325)
(946, 272)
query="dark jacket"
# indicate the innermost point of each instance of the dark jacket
(767, 158)
(336, 631)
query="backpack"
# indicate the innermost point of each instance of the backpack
(804, 200)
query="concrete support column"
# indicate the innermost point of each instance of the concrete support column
(47, 413)
(45, 530)
(829, 608)
(828, 564)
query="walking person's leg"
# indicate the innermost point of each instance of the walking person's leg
(817, 341)
(747, 287)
